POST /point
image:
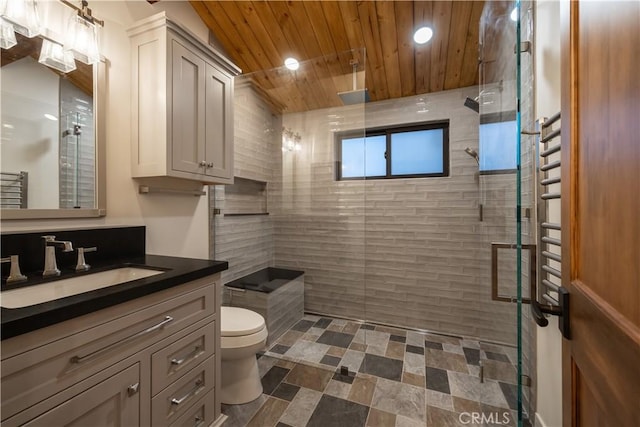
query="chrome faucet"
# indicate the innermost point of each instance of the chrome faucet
(82, 265)
(14, 275)
(50, 264)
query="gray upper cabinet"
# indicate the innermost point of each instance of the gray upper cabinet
(182, 92)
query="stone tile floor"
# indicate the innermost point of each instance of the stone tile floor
(396, 377)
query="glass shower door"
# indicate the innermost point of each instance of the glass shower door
(507, 206)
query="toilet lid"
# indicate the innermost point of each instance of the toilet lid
(236, 321)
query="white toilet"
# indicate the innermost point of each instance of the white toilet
(243, 334)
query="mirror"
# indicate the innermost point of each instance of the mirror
(52, 160)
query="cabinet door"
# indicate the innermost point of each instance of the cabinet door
(187, 110)
(218, 123)
(113, 402)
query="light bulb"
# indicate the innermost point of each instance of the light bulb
(292, 64)
(422, 35)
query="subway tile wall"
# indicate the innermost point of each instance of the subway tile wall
(247, 242)
(409, 252)
(77, 152)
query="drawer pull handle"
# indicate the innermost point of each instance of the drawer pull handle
(196, 389)
(80, 359)
(133, 389)
(196, 351)
(199, 421)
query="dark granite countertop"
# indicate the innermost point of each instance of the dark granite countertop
(17, 321)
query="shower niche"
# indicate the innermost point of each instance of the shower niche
(243, 198)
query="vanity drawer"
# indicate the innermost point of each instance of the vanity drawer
(199, 415)
(34, 375)
(168, 405)
(172, 361)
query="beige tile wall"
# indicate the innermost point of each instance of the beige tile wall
(246, 242)
(409, 252)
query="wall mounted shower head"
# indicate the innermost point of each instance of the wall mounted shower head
(473, 153)
(473, 104)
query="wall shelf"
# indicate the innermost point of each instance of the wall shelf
(247, 214)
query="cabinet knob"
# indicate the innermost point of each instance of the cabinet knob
(203, 164)
(133, 389)
(210, 164)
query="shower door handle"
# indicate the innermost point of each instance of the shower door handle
(494, 271)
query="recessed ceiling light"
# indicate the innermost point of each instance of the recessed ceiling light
(51, 117)
(422, 35)
(514, 14)
(292, 64)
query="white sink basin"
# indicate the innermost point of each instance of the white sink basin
(36, 294)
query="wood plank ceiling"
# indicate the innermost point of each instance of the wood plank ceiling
(326, 35)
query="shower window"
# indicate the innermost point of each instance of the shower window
(410, 151)
(498, 133)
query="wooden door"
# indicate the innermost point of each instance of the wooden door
(601, 206)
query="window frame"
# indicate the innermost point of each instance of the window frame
(388, 131)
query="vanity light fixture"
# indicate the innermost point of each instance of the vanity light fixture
(290, 140)
(7, 35)
(422, 35)
(23, 15)
(291, 63)
(51, 117)
(53, 55)
(82, 38)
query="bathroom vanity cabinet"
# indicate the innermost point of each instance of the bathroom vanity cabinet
(149, 361)
(182, 92)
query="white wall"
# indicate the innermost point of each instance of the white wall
(29, 140)
(547, 86)
(176, 225)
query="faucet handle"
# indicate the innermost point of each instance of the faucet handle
(81, 264)
(14, 273)
(49, 238)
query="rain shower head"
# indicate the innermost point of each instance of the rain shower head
(473, 153)
(351, 97)
(355, 96)
(473, 104)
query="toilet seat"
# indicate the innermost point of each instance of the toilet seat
(240, 322)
